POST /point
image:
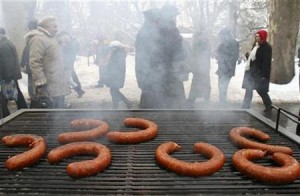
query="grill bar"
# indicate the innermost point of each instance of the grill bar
(133, 170)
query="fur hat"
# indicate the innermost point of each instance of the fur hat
(44, 22)
(263, 35)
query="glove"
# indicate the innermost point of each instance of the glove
(41, 91)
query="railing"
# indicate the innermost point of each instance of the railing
(287, 114)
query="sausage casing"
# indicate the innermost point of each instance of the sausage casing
(96, 129)
(206, 168)
(82, 168)
(238, 135)
(149, 131)
(287, 172)
(37, 149)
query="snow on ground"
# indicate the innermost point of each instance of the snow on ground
(99, 98)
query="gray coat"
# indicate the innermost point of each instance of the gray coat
(46, 63)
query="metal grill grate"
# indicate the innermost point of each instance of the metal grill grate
(133, 169)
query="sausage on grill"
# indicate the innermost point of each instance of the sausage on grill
(37, 149)
(206, 168)
(287, 171)
(238, 135)
(82, 168)
(97, 128)
(149, 131)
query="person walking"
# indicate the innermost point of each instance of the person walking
(46, 64)
(10, 73)
(201, 53)
(32, 25)
(116, 71)
(70, 48)
(258, 70)
(102, 57)
(227, 55)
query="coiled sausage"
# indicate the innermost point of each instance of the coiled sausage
(238, 135)
(82, 168)
(149, 131)
(206, 168)
(288, 171)
(97, 128)
(37, 149)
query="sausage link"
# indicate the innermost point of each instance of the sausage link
(97, 128)
(82, 168)
(238, 135)
(149, 131)
(206, 168)
(37, 149)
(288, 171)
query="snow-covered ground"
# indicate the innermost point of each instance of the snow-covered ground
(96, 98)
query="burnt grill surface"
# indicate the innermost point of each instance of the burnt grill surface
(133, 170)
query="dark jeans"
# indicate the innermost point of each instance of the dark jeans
(21, 103)
(75, 78)
(263, 94)
(58, 102)
(223, 83)
(117, 96)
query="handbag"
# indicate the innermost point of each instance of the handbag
(9, 90)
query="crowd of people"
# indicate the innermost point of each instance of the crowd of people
(163, 60)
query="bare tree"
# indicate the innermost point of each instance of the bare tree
(284, 28)
(16, 24)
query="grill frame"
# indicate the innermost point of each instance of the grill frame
(133, 170)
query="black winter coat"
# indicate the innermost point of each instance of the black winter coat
(9, 63)
(260, 69)
(227, 55)
(116, 68)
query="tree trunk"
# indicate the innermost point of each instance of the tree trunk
(283, 31)
(16, 15)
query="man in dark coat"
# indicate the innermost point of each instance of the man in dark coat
(32, 25)
(10, 72)
(260, 70)
(171, 56)
(147, 72)
(200, 86)
(227, 55)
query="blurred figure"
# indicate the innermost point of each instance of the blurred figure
(32, 25)
(102, 57)
(170, 58)
(47, 66)
(145, 69)
(201, 51)
(10, 73)
(258, 70)
(227, 55)
(70, 48)
(116, 70)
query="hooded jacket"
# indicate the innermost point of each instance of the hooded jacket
(46, 63)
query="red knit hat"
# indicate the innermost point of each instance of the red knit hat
(263, 35)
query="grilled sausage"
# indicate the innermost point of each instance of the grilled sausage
(238, 135)
(82, 168)
(97, 128)
(37, 149)
(206, 168)
(288, 171)
(149, 131)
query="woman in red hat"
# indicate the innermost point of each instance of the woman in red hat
(257, 71)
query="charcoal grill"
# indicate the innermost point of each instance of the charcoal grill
(133, 170)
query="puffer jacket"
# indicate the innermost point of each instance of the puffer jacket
(46, 62)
